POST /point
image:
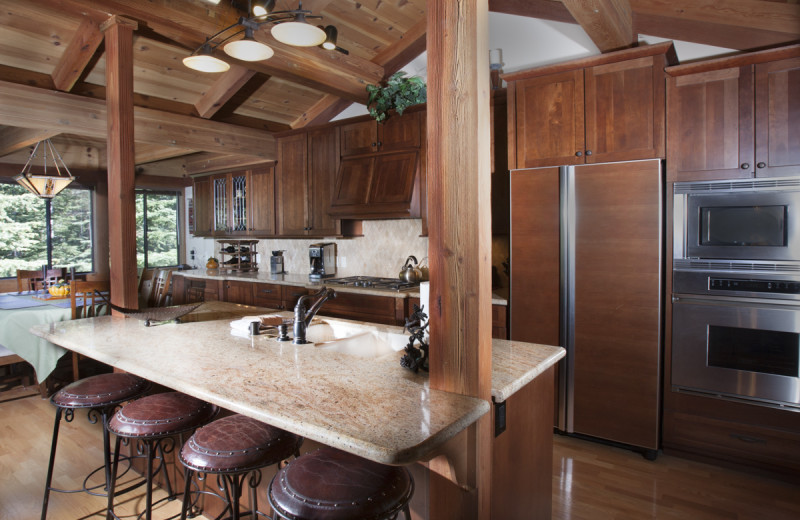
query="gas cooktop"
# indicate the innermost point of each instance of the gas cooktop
(373, 282)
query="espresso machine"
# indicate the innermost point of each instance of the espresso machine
(323, 260)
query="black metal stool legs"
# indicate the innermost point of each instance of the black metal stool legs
(232, 485)
(49, 478)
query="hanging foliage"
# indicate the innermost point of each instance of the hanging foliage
(398, 93)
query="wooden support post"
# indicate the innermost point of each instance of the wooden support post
(460, 236)
(118, 34)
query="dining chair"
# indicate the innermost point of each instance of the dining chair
(29, 280)
(160, 290)
(52, 276)
(94, 298)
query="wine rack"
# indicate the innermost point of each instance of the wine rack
(237, 255)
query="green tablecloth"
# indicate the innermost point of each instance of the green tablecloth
(15, 324)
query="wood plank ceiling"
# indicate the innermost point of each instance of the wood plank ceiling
(56, 45)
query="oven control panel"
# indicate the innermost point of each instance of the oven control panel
(757, 286)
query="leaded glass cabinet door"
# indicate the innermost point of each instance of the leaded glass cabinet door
(221, 204)
(239, 202)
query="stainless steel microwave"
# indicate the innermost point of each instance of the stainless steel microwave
(752, 220)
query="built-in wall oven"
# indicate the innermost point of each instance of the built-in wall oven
(736, 290)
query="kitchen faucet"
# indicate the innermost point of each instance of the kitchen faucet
(303, 317)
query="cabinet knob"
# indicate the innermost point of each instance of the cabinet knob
(745, 166)
(380, 143)
(588, 152)
(761, 165)
(578, 154)
(374, 145)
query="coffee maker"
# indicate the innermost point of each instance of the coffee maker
(323, 260)
(276, 262)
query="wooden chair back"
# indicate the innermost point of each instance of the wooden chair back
(161, 286)
(93, 303)
(28, 280)
(52, 276)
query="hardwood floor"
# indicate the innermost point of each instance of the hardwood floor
(590, 481)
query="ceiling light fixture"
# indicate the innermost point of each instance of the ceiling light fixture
(291, 27)
(44, 185)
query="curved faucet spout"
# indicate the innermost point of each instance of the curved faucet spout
(303, 317)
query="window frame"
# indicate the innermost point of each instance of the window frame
(177, 194)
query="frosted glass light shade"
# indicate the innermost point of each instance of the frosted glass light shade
(298, 34)
(205, 63)
(45, 186)
(248, 50)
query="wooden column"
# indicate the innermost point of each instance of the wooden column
(118, 34)
(459, 224)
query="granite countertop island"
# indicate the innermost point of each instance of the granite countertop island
(367, 406)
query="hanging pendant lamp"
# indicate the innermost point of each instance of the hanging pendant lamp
(41, 184)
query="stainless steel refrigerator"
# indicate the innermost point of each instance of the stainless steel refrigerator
(587, 274)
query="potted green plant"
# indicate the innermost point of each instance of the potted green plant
(398, 93)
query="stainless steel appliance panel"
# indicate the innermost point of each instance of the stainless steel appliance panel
(739, 348)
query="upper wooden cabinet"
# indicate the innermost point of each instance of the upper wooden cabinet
(237, 203)
(733, 117)
(306, 170)
(378, 186)
(600, 109)
(396, 133)
(203, 207)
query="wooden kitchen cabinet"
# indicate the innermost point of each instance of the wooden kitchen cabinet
(732, 118)
(395, 133)
(230, 194)
(593, 110)
(277, 296)
(236, 291)
(378, 186)
(307, 165)
(365, 307)
(262, 201)
(203, 207)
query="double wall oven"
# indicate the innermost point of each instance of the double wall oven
(736, 290)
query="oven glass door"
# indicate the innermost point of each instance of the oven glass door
(743, 226)
(737, 349)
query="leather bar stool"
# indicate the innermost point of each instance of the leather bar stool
(235, 448)
(100, 395)
(329, 484)
(154, 421)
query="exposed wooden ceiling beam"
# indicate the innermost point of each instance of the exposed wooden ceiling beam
(223, 90)
(30, 107)
(78, 55)
(148, 152)
(13, 139)
(734, 24)
(553, 10)
(609, 23)
(323, 111)
(212, 162)
(189, 25)
(400, 53)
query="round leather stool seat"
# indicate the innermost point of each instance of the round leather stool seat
(161, 415)
(101, 390)
(329, 484)
(237, 444)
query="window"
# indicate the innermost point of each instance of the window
(157, 229)
(28, 242)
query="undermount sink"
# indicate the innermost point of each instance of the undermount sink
(353, 339)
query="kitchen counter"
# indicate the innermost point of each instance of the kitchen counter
(301, 280)
(369, 407)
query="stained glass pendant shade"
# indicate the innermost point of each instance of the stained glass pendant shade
(50, 181)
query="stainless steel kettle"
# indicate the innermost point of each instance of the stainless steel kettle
(410, 273)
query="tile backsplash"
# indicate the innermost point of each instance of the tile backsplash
(380, 252)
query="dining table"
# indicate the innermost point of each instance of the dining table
(19, 311)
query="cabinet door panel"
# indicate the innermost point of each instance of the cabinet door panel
(239, 292)
(353, 181)
(359, 138)
(710, 125)
(203, 207)
(620, 111)
(399, 132)
(323, 163)
(778, 117)
(239, 197)
(262, 201)
(535, 265)
(393, 180)
(292, 185)
(375, 309)
(221, 204)
(550, 126)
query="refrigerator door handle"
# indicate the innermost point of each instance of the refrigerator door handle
(567, 332)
